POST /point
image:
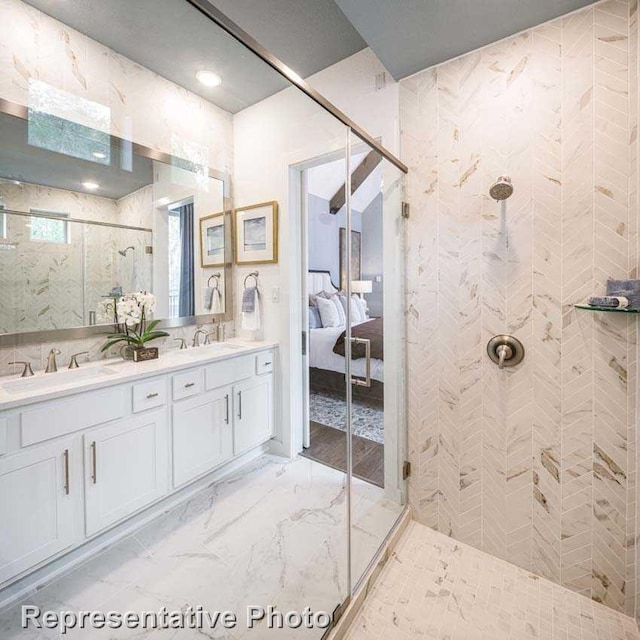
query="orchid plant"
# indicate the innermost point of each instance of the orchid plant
(130, 314)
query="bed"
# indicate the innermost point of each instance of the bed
(327, 368)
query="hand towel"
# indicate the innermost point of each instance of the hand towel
(208, 297)
(217, 306)
(251, 319)
(249, 296)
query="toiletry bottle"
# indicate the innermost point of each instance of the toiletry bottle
(221, 332)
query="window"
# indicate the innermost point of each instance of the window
(51, 230)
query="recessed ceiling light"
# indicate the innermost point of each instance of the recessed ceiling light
(92, 186)
(208, 78)
(99, 154)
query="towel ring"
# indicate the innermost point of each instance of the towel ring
(254, 275)
(217, 277)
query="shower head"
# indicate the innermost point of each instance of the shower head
(501, 189)
(123, 252)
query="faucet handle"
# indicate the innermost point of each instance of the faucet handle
(182, 341)
(27, 372)
(73, 363)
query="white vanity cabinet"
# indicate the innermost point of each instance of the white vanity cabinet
(253, 402)
(202, 434)
(40, 489)
(125, 468)
(86, 463)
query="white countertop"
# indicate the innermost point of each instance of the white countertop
(16, 391)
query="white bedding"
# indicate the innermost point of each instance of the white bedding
(321, 355)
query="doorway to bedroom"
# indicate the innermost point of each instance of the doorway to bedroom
(329, 263)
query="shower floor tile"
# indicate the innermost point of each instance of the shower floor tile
(272, 533)
(435, 588)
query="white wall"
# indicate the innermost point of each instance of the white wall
(269, 138)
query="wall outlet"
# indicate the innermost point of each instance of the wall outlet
(378, 278)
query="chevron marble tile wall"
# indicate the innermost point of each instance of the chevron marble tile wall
(534, 464)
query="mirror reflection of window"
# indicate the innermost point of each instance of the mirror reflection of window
(55, 231)
(181, 261)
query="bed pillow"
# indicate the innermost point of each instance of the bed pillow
(315, 322)
(329, 315)
(362, 306)
(341, 314)
(356, 312)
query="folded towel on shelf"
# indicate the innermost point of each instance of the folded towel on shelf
(612, 302)
(629, 289)
(251, 310)
(249, 298)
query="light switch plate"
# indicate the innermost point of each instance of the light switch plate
(275, 294)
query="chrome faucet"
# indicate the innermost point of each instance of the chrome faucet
(52, 365)
(196, 337)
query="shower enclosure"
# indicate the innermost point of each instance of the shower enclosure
(283, 530)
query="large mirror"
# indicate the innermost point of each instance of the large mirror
(86, 216)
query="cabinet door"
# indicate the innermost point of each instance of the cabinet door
(39, 495)
(201, 434)
(125, 468)
(253, 404)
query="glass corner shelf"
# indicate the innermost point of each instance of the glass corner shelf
(588, 307)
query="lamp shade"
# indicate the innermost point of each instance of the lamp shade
(361, 286)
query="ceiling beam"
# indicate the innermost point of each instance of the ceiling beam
(359, 175)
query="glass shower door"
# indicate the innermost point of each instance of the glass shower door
(376, 418)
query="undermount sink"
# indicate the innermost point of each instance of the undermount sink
(60, 378)
(205, 349)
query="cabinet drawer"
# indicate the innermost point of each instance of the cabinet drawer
(264, 363)
(149, 395)
(187, 384)
(52, 419)
(229, 371)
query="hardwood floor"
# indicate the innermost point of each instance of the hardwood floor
(329, 446)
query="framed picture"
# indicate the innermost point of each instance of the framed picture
(212, 240)
(255, 231)
(356, 242)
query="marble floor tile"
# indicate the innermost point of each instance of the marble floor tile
(271, 533)
(434, 587)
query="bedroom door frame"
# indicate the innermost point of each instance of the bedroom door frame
(299, 234)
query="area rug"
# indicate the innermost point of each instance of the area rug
(366, 421)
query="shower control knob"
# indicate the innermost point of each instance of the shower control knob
(505, 351)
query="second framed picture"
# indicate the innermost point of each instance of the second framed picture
(212, 239)
(255, 232)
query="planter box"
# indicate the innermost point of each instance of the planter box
(142, 354)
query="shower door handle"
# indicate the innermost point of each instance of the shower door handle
(367, 351)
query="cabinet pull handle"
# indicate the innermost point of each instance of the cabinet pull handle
(226, 415)
(267, 364)
(240, 405)
(94, 463)
(152, 395)
(65, 458)
(189, 385)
